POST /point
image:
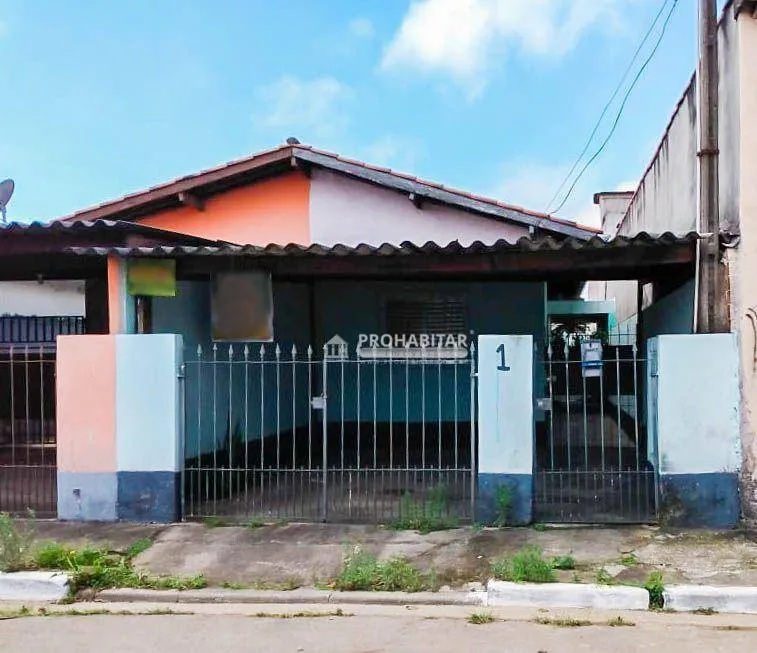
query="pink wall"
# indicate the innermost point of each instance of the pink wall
(86, 403)
(344, 210)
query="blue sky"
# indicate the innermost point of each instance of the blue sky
(98, 99)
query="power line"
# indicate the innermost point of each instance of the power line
(607, 106)
(622, 107)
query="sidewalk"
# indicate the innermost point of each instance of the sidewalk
(291, 555)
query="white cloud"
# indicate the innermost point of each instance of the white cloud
(362, 28)
(464, 38)
(307, 109)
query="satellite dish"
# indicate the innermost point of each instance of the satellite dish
(6, 191)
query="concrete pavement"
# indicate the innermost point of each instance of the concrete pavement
(369, 629)
(299, 554)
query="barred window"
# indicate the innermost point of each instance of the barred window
(426, 315)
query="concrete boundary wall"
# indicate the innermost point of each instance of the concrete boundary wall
(119, 428)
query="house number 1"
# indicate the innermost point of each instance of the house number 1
(502, 367)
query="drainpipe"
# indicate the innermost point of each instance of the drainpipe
(708, 311)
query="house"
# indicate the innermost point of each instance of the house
(215, 304)
(667, 198)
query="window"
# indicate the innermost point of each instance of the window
(413, 315)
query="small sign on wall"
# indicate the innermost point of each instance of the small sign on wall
(242, 306)
(591, 358)
(148, 277)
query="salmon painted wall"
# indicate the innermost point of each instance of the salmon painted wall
(274, 210)
(86, 403)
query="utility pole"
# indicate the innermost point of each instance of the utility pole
(710, 314)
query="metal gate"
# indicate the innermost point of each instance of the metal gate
(344, 436)
(592, 462)
(28, 480)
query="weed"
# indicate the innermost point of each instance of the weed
(528, 565)
(361, 571)
(566, 563)
(97, 569)
(14, 544)
(282, 521)
(479, 618)
(706, 611)
(140, 546)
(254, 523)
(307, 614)
(289, 584)
(539, 527)
(655, 586)
(603, 577)
(215, 522)
(619, 621)
(425, 516)
(629, 560)
(562, 622)
(231, 585)
(503, 505)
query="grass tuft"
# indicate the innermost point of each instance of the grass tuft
(705, 611)
(619, 621)
(479, 618)
(564, 563)
(362, 571)
(98, 569)
(526, 566)
(426, 516)
(655, 586)
(562, 622)
(15, 543)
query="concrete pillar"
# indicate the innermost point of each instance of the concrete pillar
(119, 428)
(505, 427)
(693, 422)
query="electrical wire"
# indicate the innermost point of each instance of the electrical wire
(622, 107)
(608, 105)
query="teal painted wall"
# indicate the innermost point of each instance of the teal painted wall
(348, 308)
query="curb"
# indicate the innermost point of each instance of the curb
(566, 595)
(302, 596)
(33, 586)
(687, 598)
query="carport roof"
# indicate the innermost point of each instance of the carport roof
(644, 256)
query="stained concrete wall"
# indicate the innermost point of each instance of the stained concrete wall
(743, 259)
(694, 423)
(118, 426)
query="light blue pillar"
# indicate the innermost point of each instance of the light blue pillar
(693, 414)
(148, 427)
(505, 428)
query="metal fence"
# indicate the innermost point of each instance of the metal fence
(592, 462)
(273, 433)
(27, 429)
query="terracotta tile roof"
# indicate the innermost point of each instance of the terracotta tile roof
(241, 171)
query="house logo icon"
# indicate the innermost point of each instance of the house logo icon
(336, 349)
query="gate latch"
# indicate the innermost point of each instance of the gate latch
(318, 403)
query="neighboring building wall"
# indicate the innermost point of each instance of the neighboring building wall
(668, 195)
(59, 298)
(743, 259)
(344, 210)
(268, 211)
